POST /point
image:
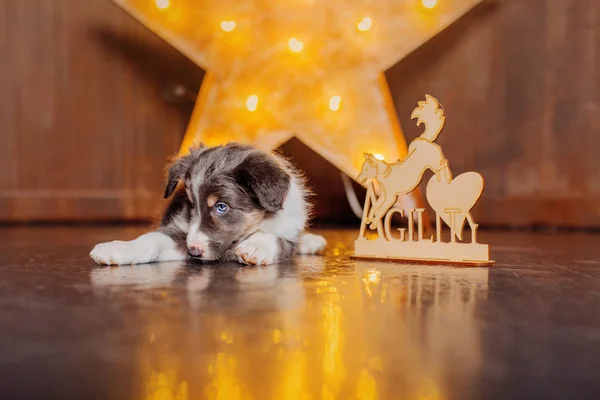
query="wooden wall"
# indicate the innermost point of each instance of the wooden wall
(84, 125)
(88, 115)
(520, 82)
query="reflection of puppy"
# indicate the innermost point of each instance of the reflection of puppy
(271, 287)
(237, 203)
(138, 277)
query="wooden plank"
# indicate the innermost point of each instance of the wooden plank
(85, 111)
(8, 92)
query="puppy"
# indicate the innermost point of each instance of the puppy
(236, 203)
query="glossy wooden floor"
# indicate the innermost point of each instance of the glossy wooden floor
(317, 328)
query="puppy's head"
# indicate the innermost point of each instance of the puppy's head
(231, 189)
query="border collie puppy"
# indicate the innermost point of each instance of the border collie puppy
(236, 203)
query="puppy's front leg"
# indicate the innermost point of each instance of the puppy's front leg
(258, 249)
(150, 247)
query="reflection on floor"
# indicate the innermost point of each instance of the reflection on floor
(312, 328)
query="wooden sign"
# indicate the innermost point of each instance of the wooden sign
(451, 198)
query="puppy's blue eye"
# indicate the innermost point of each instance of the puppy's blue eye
(221, 207)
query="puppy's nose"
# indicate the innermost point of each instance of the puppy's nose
(195, 251)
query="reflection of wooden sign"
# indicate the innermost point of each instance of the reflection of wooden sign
(451, 198)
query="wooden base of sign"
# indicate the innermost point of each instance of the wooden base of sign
(424, 261)
(459, 254)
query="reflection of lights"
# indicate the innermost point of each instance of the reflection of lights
(226, 338)
(373, 276)
(294, 377)
(224, 382)
(277, 335)
(429, 390)
(379, 157)
(327, 290)
(333, 364)
(371, 279)
(332, 333)
(366, 387)
(164, 385)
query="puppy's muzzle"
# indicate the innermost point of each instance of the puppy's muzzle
(195, 252)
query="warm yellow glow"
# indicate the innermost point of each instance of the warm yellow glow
(165, 385)
(335, 102)
(224, 382)
(429, 3)
(373, 276)
(366, 387)
(277, 336)
(226, 338)
(364, 24)
(379, 157)
(163, 4)
(294, 380)
(227, 26)
(252, 102)
(332, 333)
(295, 64)
(295, 45)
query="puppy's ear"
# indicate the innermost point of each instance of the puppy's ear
(262, 177)
(177, 171)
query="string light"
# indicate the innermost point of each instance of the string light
(429, 3)
(228, 26)
(379, 157)
(364, 24)
(163, 4)
(295, 45)
(335, 102)
(252, 103)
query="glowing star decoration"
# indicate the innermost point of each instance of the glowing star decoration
(295, 56)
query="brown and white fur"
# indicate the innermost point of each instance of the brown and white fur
(237, 203)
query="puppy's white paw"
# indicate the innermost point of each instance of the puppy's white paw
(310, 243)
(258, 249)
(120, 253)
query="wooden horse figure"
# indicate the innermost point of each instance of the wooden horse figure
(451, 198)
(403, 176)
